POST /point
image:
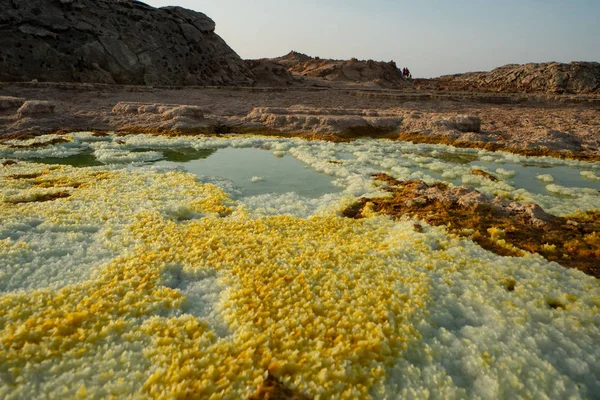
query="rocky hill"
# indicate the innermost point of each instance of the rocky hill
(113, 41)
(384, 74)
(575, 77)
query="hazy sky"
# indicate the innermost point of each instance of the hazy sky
(431, 37)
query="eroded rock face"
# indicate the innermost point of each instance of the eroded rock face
(159, 117)
(575, 77)
(109, 41)
(384, 74)
(321, 120)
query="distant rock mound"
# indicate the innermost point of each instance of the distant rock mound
(269, 73)
(553, 78)
(113, 42)
(384, 74)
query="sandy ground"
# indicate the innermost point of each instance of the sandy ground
(529, 124)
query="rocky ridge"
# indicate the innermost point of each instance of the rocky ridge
(552, 78)
(385, 74)
(114, 42)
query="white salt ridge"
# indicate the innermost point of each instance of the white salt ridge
(49, 257)
(506, 173)
(546, 178)
(115, 156)
(480, 340)
(291, 204)
(590, 175)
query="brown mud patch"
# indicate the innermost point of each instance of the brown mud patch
(273, 389)
(33, 175)
(57, 183)
(42, 198)
(505, 228)
(487, 175)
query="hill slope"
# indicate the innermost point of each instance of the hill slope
(575, 77)
(113, 41)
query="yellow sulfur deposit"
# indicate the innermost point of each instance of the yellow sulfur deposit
(150, 284)
(304, 296)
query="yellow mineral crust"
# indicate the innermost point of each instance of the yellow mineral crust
(325, 304)
(314, 301)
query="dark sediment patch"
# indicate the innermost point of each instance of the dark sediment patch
(273, 389)
(487, 175)
(36, 145)
(503, 227)
(42, 198)
(56, 183)
(25, 176)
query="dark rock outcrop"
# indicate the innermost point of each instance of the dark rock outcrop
(113, 41)
(553, 78)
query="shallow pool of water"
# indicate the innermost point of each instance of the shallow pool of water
(527, 176)
(83, 159)
(258, 171)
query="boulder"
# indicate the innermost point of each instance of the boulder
(35, 108)
(108, 41)
(462, 123)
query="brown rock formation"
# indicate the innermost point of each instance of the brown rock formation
(384, 74)
(575, 77)
(503, 227)
(344, 122)
(109, 41)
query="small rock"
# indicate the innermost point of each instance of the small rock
(35, 108)
(473, 199)
(416, 202)
(184, 111)
(462, 123)
(538, 216)
(123, 107)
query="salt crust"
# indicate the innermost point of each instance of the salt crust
(590, 175)
(546, 178)
(180, 288)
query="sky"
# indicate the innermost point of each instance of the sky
(431, 37)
